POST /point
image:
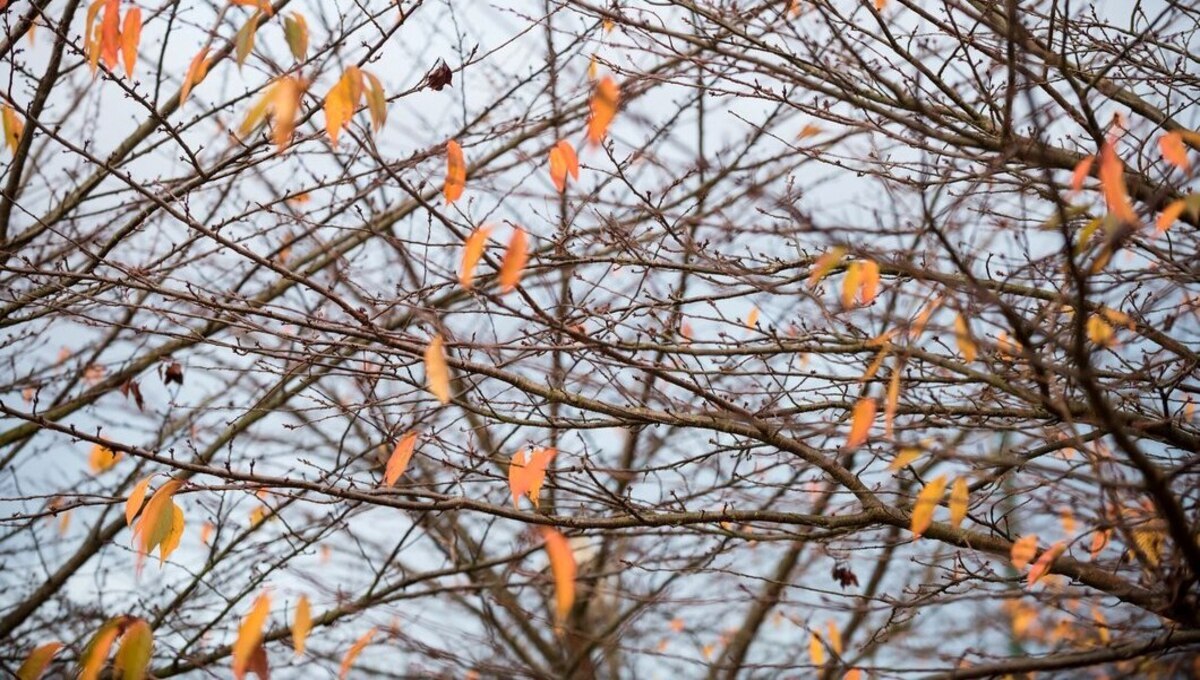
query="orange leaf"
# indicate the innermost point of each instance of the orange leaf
(96, 653)
(903, 457)
(514, 260)
(110, 33)
(1112, 181)
(927, 501)
(263, 5)
(526, 475)
(353, 652)
(1023, 551)
(892, 403)
(562, 563)
(35, 664)
(285, 102)
(870, 281)
(752, 317)
(131, 36)
(1169, 215)
(962, 335)
(825, 264)
(196, 72)
(816, 650)
(437, 374)
(456, 172)
(1173, 150)
(136, 498)
(1042, 566)
(301, 624)
(605, 99)
(959, 497)
(103, 458)
(1082, 169)
(851, 284)
(160, 522)
(1099, 541)
(13, 127)
(472, 253)
(250, 634)
(558, 169)
(569, 157)
(398, 462)
(861, 420)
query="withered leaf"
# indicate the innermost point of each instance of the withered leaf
(439, 76)
(131, 387)
(173, 374)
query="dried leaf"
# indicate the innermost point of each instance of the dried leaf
(825, 264)
(605, 99)
(514, 261)
(1170, 215)
(1112, 181)
(1099, 541)
(1023, 551)
(196, 72)
(250, 634)
(835, 638)
(1082, 169)
(133, 656)
(110, 34)
(563, 162)
(959, 497)
(472, 253)
(439, 76)
(398, 462)
(1174, 151)
(376, 101)
(95, 655)
(892, 398)
(861, 420)
(353, 652)
(456, 172)
(562, 564)
(1043, 564)
(962, 336)
(527, 473)
(244, 40)
(437, 373)
(13, 127)
(870, 281)
(301, 624)
(927, 501)
(295, 32)
(38, 660)
(752, 318)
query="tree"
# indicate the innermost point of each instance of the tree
(831, 338)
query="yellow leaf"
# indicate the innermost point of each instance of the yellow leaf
(514, 260)
(261, 5)
(904, 457)
(35, 664)
(250, 634)
(562, 564)
(873, 367)
(174, 534)
(752, 317)
(102, 458)
(95, 655)
(437, 374)
(456, 172)
(1112, 182)
(1067, 518)
(825, 264)
(301, 624)
(353, 652)
(244, 40)
(959, 493)
(962, 336)
(892, 399)
(158, 520)
(927, 501)
(295, 31)
(1173, 150)
(605, 99)
(1170, 215)
(131, 36)
(196, 72)
(398, 462)
(136, 498)
(835, 638)
(472, 253)
(376, 101)
(816, 650)
(13, 127)
(1099, 332)
(861, 420)
(1023, 551)
(870, 281)
(341, 101)
(851, 284)
(133, 656)
(285, 102)
(1043, 564)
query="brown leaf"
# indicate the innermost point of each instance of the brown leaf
(439, 76)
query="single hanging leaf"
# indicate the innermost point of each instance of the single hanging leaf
(1023, 550)
(1112, 181)
(95, 655)
(437, 374)
(250, 634)
(13, 127)
(301, 624)
(1170, 215)
(1099, 331)
(131, 36)
(835, 638)
(904, 457)
(825, 264)
(927, 501)
(456, 172)
(472, 254)
(110, 34)
(244, 40)
(102, 458)
(353, 652)
(133, 656)
(563, 162)
(1043, 564)
(852, 283)
(158, 521)
(514, 260)
(398, 462)
(295, 31)
(752, 318)
(562, 564)
(285, 103)
(527, 473)
(962, 336)
(861, 420)
(196, 72)
(892, 401)
(38, 660)
(569, 157)
(816, 650)
(959, 497)
(1082, 169)
(1173, 150)
(341, 102)
(605, 99)
(376, 101)
(870, 281)
(136, 498)
(261, 5)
